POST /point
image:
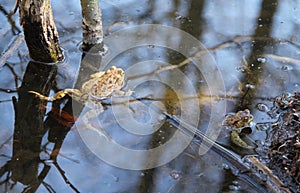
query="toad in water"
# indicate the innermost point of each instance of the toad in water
(237, 121)
(100, 86)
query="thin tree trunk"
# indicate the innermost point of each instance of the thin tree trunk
(91, 24)
(40, 32)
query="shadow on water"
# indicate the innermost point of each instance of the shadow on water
(48, 153)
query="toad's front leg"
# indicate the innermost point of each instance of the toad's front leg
(74, 93)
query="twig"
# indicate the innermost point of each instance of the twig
(62, 173)
(45, 149)
(48, 187)
(7, 90)
(6, 141)
(17, 77)
(15, 30)
(236, 39)
(5, 101)
(282, 59)
(11, 49)
(171, 187)
(273, 183)
(5, 168)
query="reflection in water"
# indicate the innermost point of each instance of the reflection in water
(256, 63)
(29, 130)
(226, 28)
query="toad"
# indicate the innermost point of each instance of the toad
(236, 122)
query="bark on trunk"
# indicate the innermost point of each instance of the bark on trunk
(40, 32)
(91, 24)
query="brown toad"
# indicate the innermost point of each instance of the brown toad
(236, 122)
(100, 86)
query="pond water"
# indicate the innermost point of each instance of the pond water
(198, 60)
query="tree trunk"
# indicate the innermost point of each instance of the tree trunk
(91, 25)
(40, 32)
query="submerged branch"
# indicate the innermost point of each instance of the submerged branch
(282, 59)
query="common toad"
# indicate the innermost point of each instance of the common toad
(100, 86)
(236, 122)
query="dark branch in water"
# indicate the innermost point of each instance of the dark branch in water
(263, 33)
(62, 173)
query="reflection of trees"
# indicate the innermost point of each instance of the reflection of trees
(261, 39)
(31, 126)
(31, 122)
(58, 131)
(191, 25)
(263, 29)
(29, 130)
(194, 22)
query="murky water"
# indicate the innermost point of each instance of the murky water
(244, 53)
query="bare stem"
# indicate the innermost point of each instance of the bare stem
(91, 24)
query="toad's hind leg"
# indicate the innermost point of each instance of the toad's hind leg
(236, 139)
(61, 94)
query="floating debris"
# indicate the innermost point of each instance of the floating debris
(262, 107)
(262, 60)
(251, 86)
(284, 151)
(175, 175)
(286, 68)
